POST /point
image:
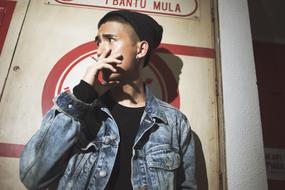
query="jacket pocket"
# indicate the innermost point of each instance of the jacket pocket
(163, 157)
(162, 162)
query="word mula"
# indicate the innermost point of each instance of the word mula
(155, 5)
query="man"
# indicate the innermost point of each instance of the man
(113, 134)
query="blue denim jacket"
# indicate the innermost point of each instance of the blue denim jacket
(62, 151)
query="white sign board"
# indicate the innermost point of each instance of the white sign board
(176, 8)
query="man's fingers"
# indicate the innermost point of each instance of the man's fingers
(108, 63)
(105, 53)
(106, 66)
(111, 60)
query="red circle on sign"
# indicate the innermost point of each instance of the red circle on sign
(62, 68)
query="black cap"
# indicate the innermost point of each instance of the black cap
(145, 26)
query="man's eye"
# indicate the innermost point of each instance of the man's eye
(111, 40)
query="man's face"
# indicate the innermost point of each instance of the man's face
(119, 39)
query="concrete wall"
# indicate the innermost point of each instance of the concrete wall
(243, 133)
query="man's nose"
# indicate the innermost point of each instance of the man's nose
(100, 50)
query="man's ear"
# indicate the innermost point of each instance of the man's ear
(142, 49)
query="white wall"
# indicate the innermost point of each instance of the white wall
(243, 132)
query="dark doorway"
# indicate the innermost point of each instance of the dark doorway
(268, 33)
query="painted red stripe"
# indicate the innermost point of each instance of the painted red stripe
(11, 150)
(8, 8)
(187, 50)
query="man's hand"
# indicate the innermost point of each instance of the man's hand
(104, 62)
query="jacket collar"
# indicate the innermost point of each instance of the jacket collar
(153, 107)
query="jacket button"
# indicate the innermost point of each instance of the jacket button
(107, 140)
(102, 173)
(113, 137)
(69, 106)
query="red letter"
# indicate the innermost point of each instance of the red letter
(143, 5)
(164, 6)
(178, 9)
(136, 3)
(169, 8)
(122, 3)
(129, 3)
(156, 5)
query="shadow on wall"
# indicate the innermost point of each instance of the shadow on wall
(172, 75)
(176, 67)
(201, 171)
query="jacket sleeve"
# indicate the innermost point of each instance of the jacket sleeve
(186, 172)
(45, 156)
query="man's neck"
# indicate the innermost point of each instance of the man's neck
(129, 94)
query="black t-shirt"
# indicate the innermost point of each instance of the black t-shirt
(128, 121)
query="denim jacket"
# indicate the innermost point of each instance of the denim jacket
(66, 153)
